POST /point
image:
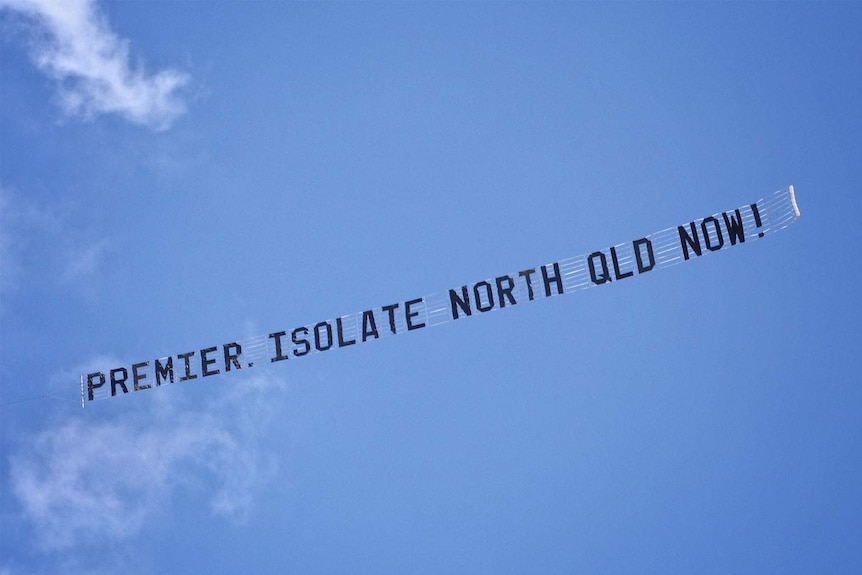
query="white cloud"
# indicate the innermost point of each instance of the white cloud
(92, 67)
(85, 482)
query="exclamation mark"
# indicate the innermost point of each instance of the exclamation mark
(757, 221)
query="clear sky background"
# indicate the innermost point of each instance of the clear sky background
(176, 175)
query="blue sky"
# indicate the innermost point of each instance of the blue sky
(176, 175)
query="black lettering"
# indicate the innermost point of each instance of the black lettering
(735, 230)
(339, 328)
(687, 241)
(463, 302)
(526, 275)
(93, 386)
(557, 279)
(303, 341)
(166, 371)
(206, 362)
(616, 262)
(757, 220)
(369, 325)
(391, 310)
(187, 358)
(714, 222)
(409, 315)
(606, 273)
(504, 294)
(279, 355)
(650, 256)
(317, 339)
(115, 381)
(232, 358)
(489, 295)
(137, 377)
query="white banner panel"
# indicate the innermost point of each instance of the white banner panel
(684, 242)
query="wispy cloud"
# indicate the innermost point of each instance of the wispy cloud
(10, 263)
(86, 482)
(84, 262)
(91, 65)
(30, 233)
(20, 221)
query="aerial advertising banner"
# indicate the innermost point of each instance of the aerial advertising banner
(687, 241)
